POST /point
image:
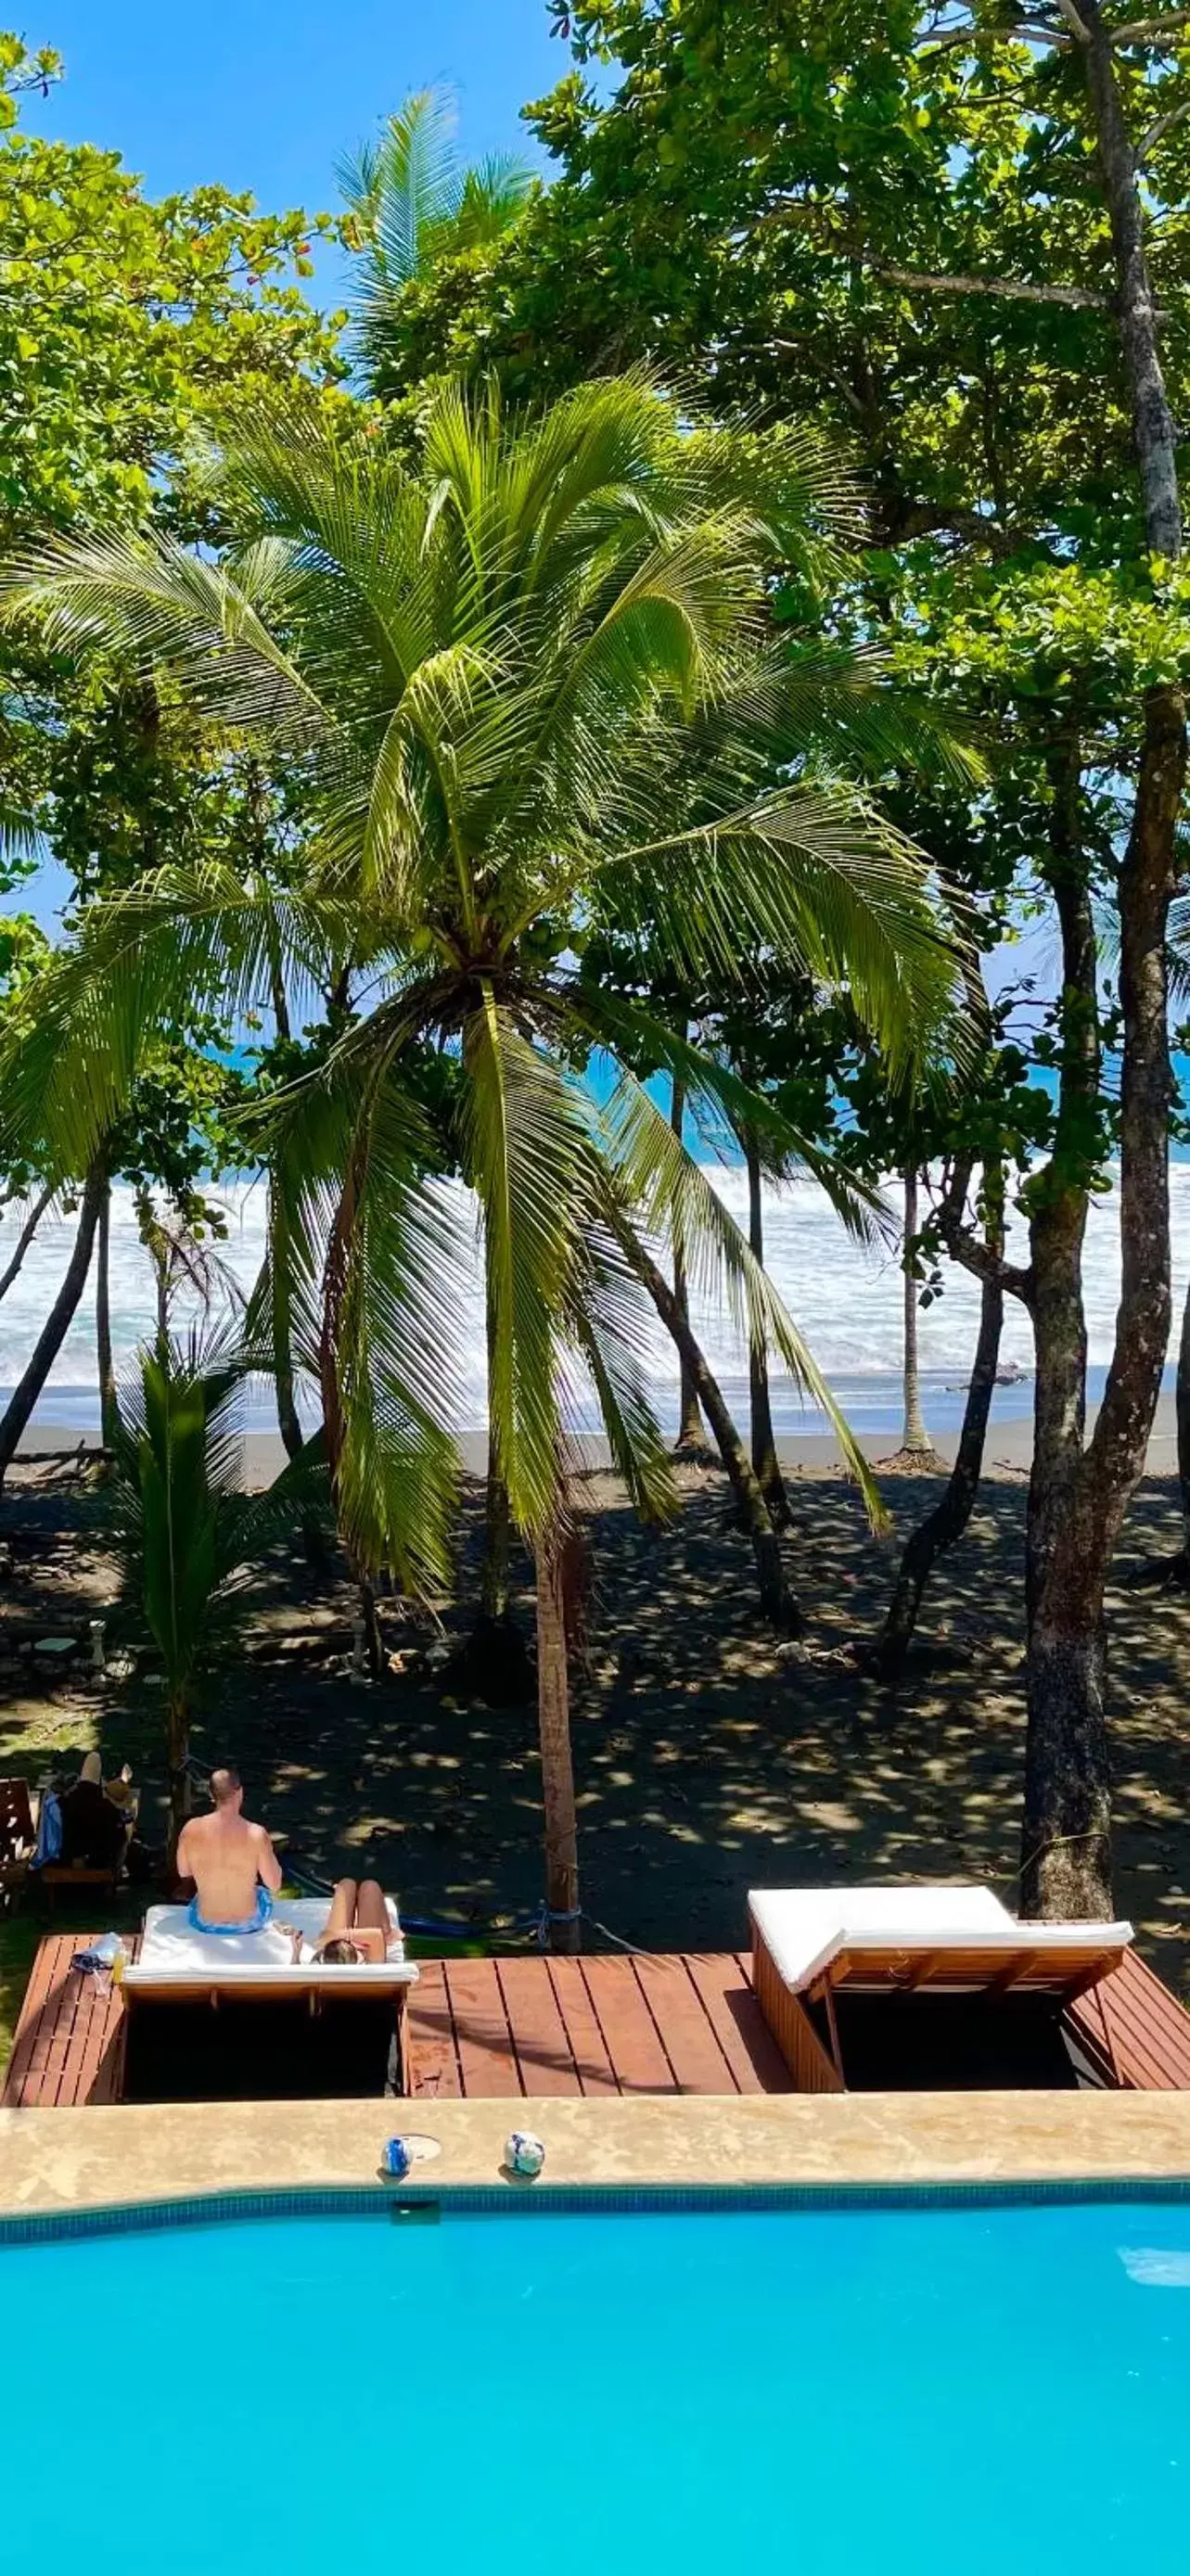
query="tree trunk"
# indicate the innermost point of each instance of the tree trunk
(109, 1414)
(373, 1641)
(947, 1522)
(23, 1241)
(766, 1465)
(274, 1275)
(557, 1764)
(281, 1330)
(178, 1741)
(495, 1661)
(915, 1439)
(497, 1529)
(1077, 1496)
(776, 1599)
(58, 1321)
(1182, 1403)
(689, 1437)
(497, 1544)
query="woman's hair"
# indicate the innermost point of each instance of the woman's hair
(344, 1953)
(92, 1769)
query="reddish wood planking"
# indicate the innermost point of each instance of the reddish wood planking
(539, 2035)
(487, 2058)
(68, 2047)
(431, 2053)
(725, 1985)
(1132, 2022)
(698, 2062)
(596, 2073)
(541, 2027)
(630, 2033)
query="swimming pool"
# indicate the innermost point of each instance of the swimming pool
(948, 2390)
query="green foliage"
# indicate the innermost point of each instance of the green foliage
(189, 1537)
(125, 322)
(534, 686)
(412, 206)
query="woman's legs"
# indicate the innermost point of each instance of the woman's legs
(342, 1913)
(370, 1907)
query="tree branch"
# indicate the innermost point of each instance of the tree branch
(1024, 32)
(1080, 32)
(970, 1250)
(1160, 126)
(1014, 288)
(1147, 31)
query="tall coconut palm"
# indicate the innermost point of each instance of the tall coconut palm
(412, 201)
(532, 678)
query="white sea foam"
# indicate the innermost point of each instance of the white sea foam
(845, 1299)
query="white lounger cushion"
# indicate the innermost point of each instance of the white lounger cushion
(172, 1953)
(804, 1928)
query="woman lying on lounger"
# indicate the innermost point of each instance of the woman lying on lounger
(359, 1931)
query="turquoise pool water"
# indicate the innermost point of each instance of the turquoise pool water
(942, 2391)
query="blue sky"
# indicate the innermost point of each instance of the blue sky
(265, 95)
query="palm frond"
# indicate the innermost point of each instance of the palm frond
(658, 1178)
(816, 877)
(530, 1161)
(714, 1090)
(373, 1264)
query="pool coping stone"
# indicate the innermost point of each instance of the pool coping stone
(131, 2155)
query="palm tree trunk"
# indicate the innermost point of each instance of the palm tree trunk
(23, 1241)
(373, 1640)
(689, 1416)
(947, 1522)
(1181, 1563)
(57, 1323)
(280, 1332)
(108, 1408)
(777, 1600)
(497, 1531)
(915, 1439)
(497, 1544)
(178, 1726)
(557, 1762)
(764, 1447)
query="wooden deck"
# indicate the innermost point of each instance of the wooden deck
(534, 2027)
(511, 2027)
(1135, 2031)
(68, 2046)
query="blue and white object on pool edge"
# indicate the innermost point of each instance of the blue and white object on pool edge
(524, 2154)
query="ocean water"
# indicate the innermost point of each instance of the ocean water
(914, 2391)
(846, 1300)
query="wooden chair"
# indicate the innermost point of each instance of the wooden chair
(58, 1874)
(17, 1839)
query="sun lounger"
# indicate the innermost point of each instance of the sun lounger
(176, 1962)
(814, 1946)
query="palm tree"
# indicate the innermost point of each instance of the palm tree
(188, 1537)
(532, 678)
(412, 202)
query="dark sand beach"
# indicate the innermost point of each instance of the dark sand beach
(709, 1759)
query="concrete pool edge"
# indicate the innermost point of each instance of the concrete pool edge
(128, 2156)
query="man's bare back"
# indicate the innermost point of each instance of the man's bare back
(226, 1856)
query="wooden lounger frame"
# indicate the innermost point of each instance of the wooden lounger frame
(908, 1967)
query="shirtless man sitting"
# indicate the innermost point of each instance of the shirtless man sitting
(235, 1870)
